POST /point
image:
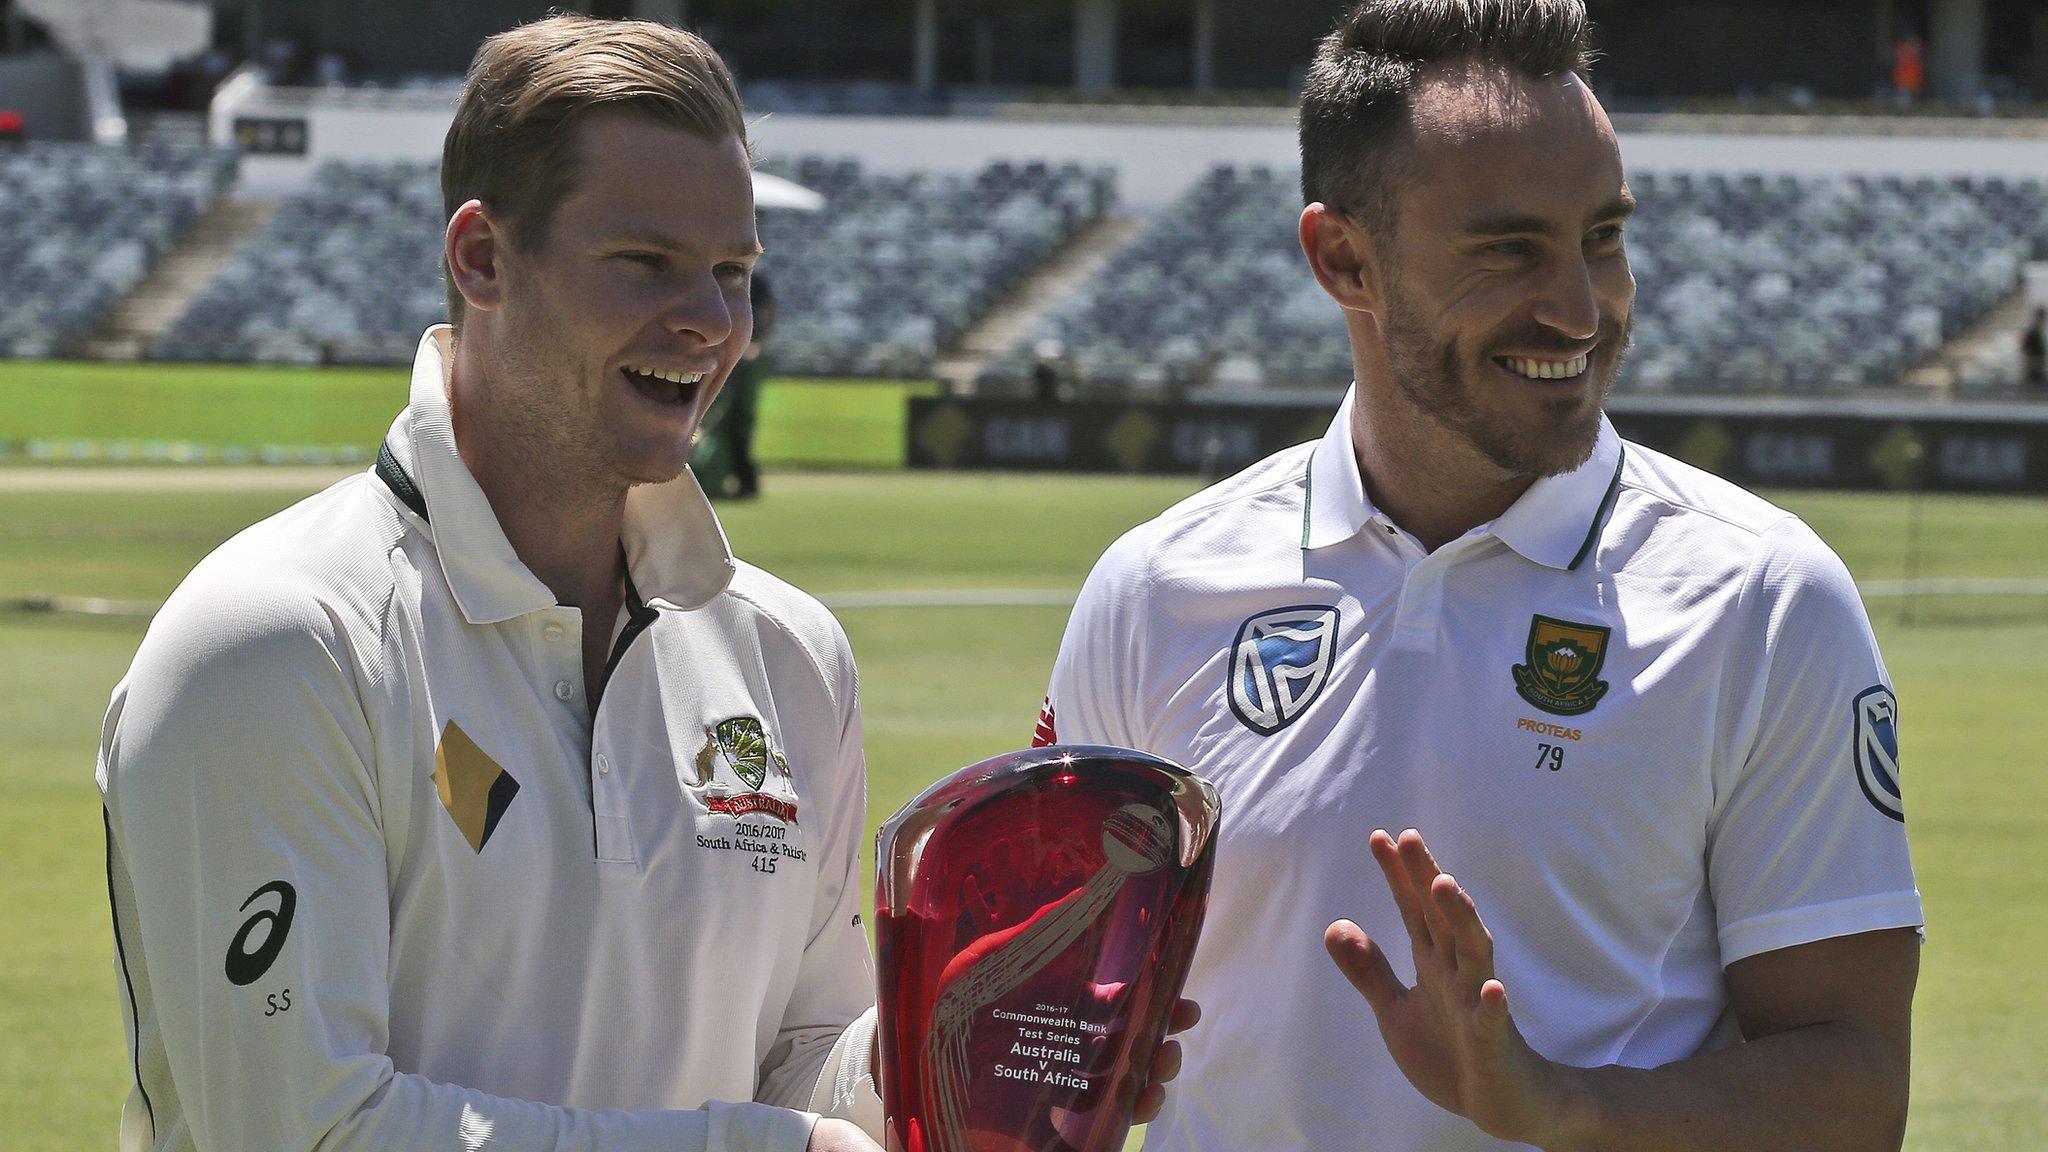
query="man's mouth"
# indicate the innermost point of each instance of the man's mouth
(661, 385)
(1536, 368)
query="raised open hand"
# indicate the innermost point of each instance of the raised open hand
(1451, 1034)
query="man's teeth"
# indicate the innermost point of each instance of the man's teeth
(1546, 369)
(671, 377)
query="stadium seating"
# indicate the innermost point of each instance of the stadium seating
(1216, 275)
(1782, 283)
(82, 226)
(878, 282)
(345, 272)
(896, 267)
(1745, 282)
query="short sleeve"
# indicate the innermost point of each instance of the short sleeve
(1808, 839)
(1091, 699)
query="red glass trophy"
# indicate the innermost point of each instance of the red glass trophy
(1035, 915)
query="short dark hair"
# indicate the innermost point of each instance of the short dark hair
(1354, 104)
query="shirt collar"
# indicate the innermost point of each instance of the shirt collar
(1336, 507)
(1558, 520)
(675, 549)
(1555, 523)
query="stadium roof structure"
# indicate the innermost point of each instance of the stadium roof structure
(926, 52)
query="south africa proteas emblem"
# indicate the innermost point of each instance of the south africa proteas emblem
(1563, 672)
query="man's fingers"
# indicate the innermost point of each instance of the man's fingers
(830, 1135)
(1440, 908)
(1363, 963)
(1494, 1018)
(1416, 854)
(1493, 1001)
(1165, 1063)
(1185, 1015)
(1151, 1099)
(1464, 946)
(1475, 943)
(1407, 898)
(1420, 866)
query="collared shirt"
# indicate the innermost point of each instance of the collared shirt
(1641, 716)
(381, 878)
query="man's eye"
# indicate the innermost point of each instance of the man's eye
(1609, 234)
(644, 259)
(733, 273)
(1509, 248)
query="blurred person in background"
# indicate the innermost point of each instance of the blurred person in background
(2034, 352)
(729, 425)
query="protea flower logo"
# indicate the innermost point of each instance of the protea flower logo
(1562, 675)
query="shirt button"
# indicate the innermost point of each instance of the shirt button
(564, 690)
(604, 765)
(554, 631)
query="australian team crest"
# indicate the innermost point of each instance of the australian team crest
(1280, 663)
(1563, 673)
(741, 744)
(1877, 750)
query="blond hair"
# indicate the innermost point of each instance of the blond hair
(513, 142)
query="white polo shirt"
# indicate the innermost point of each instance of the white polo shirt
(1641, 717)
(381, 881)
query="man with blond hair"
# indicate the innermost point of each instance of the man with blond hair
(485, 800)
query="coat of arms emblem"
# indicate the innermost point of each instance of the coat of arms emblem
(1562, 676)
(743, 744)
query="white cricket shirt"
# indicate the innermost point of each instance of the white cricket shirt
(381, 881)
(1641, 717)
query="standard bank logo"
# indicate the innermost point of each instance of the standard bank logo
(1279, 663)
(1877, 750)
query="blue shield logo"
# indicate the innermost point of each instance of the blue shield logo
(1877, 750)
(1279, 664)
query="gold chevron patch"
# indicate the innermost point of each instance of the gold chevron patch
(474, 788)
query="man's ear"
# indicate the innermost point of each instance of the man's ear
(1344, 257)
(473, 248)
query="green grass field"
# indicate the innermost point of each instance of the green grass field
(945, 686)
(813, 423)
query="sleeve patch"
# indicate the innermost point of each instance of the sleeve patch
(1877, 750)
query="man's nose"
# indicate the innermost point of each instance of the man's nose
(700, 309)
(1569, 304)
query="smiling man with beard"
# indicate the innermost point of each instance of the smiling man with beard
(1640, 711)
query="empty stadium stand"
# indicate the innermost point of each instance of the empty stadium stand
(1774, 283)
(896, 267)
(346, 272)
(1789, 284)
(1746, 282)
(880, 281)
(80, 225)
